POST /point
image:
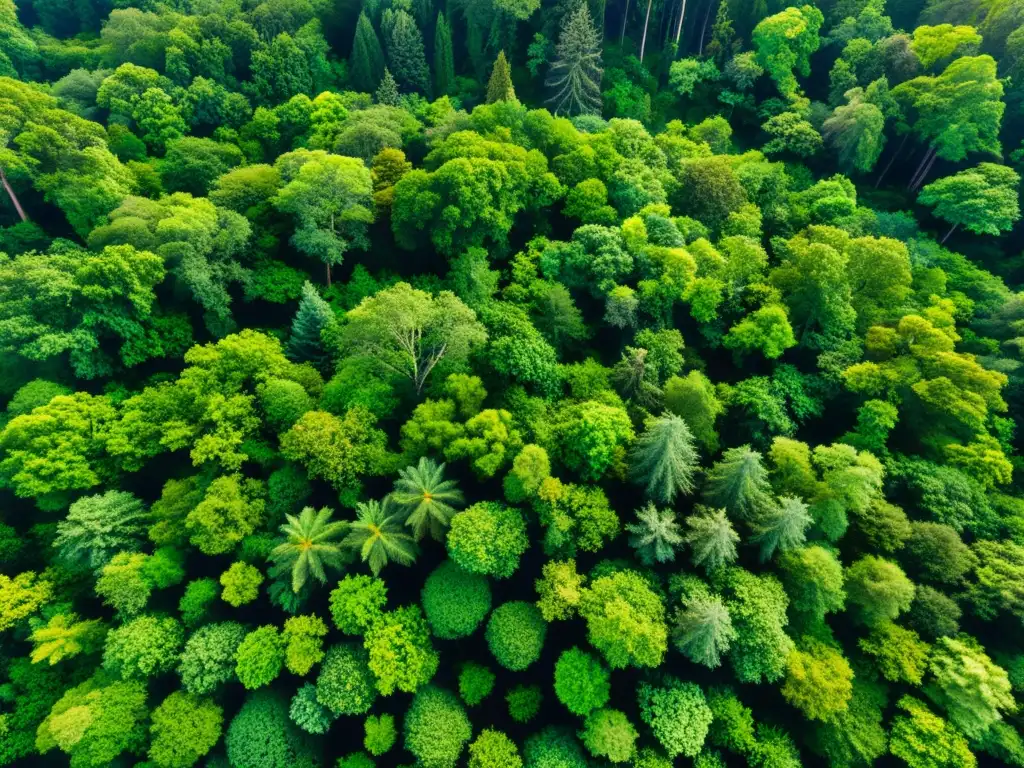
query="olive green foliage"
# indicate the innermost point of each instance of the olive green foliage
(455, 601)
(436, 728)
(241, 584)
(357, 602)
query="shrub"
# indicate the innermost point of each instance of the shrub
(581, 682)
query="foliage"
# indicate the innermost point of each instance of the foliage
(455, 601)
(515, 634)
(436, 728)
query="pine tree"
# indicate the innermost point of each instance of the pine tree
(575, 76)
(739, 482)
(366, 63)
(703, 630)
(406, 54)
(782, 527)
(499, 88)
(444, 58)
(712, 539)
(313, 316)
(664, 459)
(387, 91)
(655, 536)
(722, 35)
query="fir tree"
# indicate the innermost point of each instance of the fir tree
(712, 539)
(444, 58)
(782, 527)
(366, 63)
(406, 54)
(739, 482)
(703, 630)
(722, 35)
(664, 459)
(387, 91)
(313, 316)
(655, 535)
(575, 76)
(499, 88)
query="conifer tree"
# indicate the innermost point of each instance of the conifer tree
(722, 35)
(387, 91)
(313, 315)
(366, 63)
(655, 535)
(575, 76)
(406, 54)
(664, 458)
(712, 539)
(499, 88)
(783, 527)
(703, 630)
(739, 482)
(444, 57)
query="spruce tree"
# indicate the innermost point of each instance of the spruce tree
(664, 459)
(712, 539)
(499, 88)
(655, 535)
(314, 314)
(444, 58)
(387, 91)
(783, 527)
(722, 35)
(703, 630)
(575, 76)
(739, 482)
(366, 63)
(406, 54)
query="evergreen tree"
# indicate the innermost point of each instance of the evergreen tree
(427, 497)
(406, 54)
(97, 527)
(366, 63)
(664, 458)
(575, 76)
(655, 536)
(703, 630)
(722, 35)
(444, 57)
(310, 544)
(712, 539)
(312, 317)
(783, 527)
(387, 91)
(499, 87)
(739, 482)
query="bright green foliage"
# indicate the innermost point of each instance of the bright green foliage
(739, 483)
(608, 733)
(581, 682)
(310, 547)
(97, 527)
(455, 601)
(493, 749)
(427, 498)
(144, 647)
(591, 437)
(208, 660)
(983, 200)
(899, 653)
(560, 590)
(377, 536)
(345, 684)
(401, 654)
(530, 468)
(933, 44)
(64, 637)
(766, 330)
(229, 511)
(878, 590)
(575, 76)
(625, 620)
(184, 728)
(711, 537)
(259, 657)
(702, 630)
(303, 637)
(487, 538)
(576, 517)
(357, 602)
(785, 42)
(380, 734)
(924, 740)
(475, 683)
(663, 459)
(757, 605)
(21, 596)
(436, 728)
(813, 579)
(969, 686)
(499, 87)
(356, 760)
(818, 681)
(677, 714)
(655, 535)
(241, 584)
(515, 634)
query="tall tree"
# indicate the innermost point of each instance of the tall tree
(712, 539)
(703, 630)
(366, 63)
(575, 75)
(406, 56)
(739, 482)
(387, 92)
(655, 535)
(310, 547)
(784, 42)
(305, 344)
(983, 200)
(444, 57)
(97, 527)
(499, 87)
(428, 499)
(782, 527)
(664, 459)
(377, 535)
(857, 132)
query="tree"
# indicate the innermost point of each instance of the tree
(878, 589)
(314, 315)
(455, 601)
(524, 702)
(401, 654)
(436, 728)
(702, 630)
(405, 53)
(357, 603)
(410, 332)
(241, 584)
(144, 647)
(262, 736)
(444, 57)
(331, 199)
(515, 634)
(366, 62)
(387, 92)
(712, 538)
(934, 44)
(782, 527)
(664, 459)
(551, 746)
(819, 681)
(856, 130)
(608, 733)
(475, 683)
(192, 165)
(791, 133)
(63, 636)
(655, 536)
(488, 538)
(625, 620)
(380, 734)
(757, 605)
(560, 590)
(969, 686)
(899, 653)
(345, 685)
(981, 199)
(678, 715)
(767, 330)
(739, 482)
(310, 546)
(377, 535)
(924, 740)
(427, 498)
(493, 749)
(499, 87)
(184, 728)
(785, 42)
(581, 682)
(96, 527)
(259, 657)
(208, 660)
(308, 713)
(813, 578)
(575, 76)
(304, 640)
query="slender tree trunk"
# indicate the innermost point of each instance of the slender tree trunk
(679, 27)
(924, 174)
(10, 194)
(647, 20)
(922, 168)
(704, 28)
(327, 264)
(899, 151)
(951, 231)
(625, 18)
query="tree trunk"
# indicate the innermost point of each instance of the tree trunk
(899, 151)
(625, 18)
(327, 264)
(951, 231)
(924, 174)
(647, 20)
(921, 167)
(679, 28)
(704, 28)
(10, 194)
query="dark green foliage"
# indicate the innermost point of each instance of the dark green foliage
(475, 683)
(345, 685)
(515, 634)
(664, 459)
(455, 601)
(262, 736)
(314, 315)
(366, 62)
(436, 728)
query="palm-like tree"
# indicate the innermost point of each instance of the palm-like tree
(428, 499)
(377, 535)
(311, 546)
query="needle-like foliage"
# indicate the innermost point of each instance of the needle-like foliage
(655, 536)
